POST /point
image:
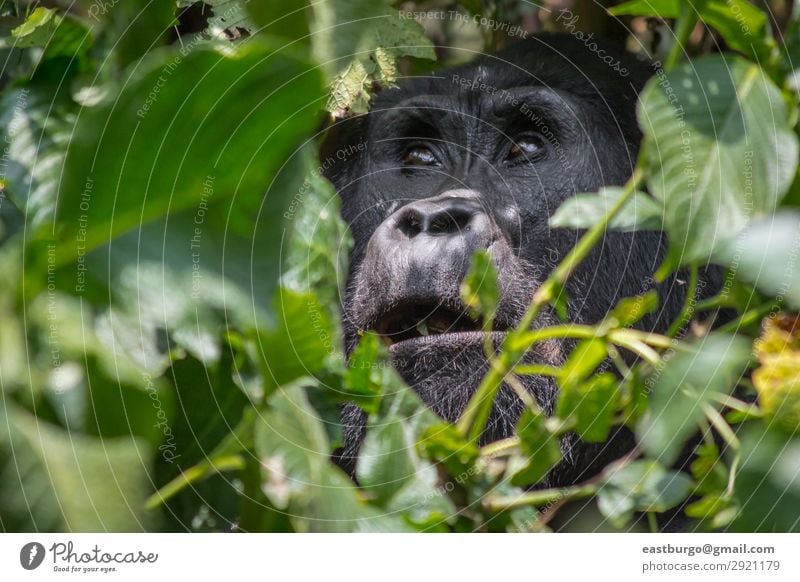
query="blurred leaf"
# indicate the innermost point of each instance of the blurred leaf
(443, 444)
(592, 403)
(57, 480)
(641, 212)
(742, 25)
(133, 161)
(679, 390)
(708, 507)
(582, 361)
(710, 475)
(479, 290)
(136, 27)
(640, 486)
(299, 475)
(390, 469)
(58, 35)
(301, 342)
(316, 259)
(708, 150)
(659, 8)
(631, 310)
(36, 131)
(288, 19)
(777, 380)
(765, 254)
(363, 380)
(540, 447)
(768, 483)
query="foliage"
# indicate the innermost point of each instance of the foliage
(172, 262)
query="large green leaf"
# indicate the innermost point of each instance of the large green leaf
(683, 386)
(35, 130)
(768, 483)
(301, 342)
(640, 486)
(299, 476)
(157, 149)
(766, 255)
(719, 151)
(585, 210)
(56, 480)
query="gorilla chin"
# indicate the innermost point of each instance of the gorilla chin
(478, 158)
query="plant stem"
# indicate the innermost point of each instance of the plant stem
(723, 428)
(500, 448)
(539, 498)
(684, 25)
(192, 475)
(750, 317)
(536, 370)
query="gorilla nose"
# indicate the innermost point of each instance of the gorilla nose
(429, 238)
(451, 215)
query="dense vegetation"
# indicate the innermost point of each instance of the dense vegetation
(172, 262)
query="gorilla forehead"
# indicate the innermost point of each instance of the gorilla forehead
(556, 61)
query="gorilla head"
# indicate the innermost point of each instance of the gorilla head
(479, 157)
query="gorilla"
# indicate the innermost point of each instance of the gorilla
(479, 157)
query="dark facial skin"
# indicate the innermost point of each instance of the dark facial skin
(480, 157)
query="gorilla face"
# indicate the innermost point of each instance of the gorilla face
(479, 157)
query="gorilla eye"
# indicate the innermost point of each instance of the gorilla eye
(525, 148)
(419, 156)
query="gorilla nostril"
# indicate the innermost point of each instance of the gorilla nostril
(450, 221)
(410, 222)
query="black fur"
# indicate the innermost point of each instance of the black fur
(585, 119)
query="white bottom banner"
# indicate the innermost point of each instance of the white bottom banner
(389, 557)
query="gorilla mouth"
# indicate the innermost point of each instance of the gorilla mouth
(428, 323)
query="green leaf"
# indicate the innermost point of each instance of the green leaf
(300, 344)
(742, 25)
(479, 290)
(134, 160)
(135, 27)
(443, 444)
(708, 471)
(35, 130)
(540, 447)
(659, 8)
(299, 475)
(316, 259)
(641, 212)
(582, 361)
(592, 403)
(719, 151)
(765, 254)
(288, 19)
(714, 364)
(768, 483)
(631, 310)
(58, 480)
(57, 35)
(363, 381)
(640, 486)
